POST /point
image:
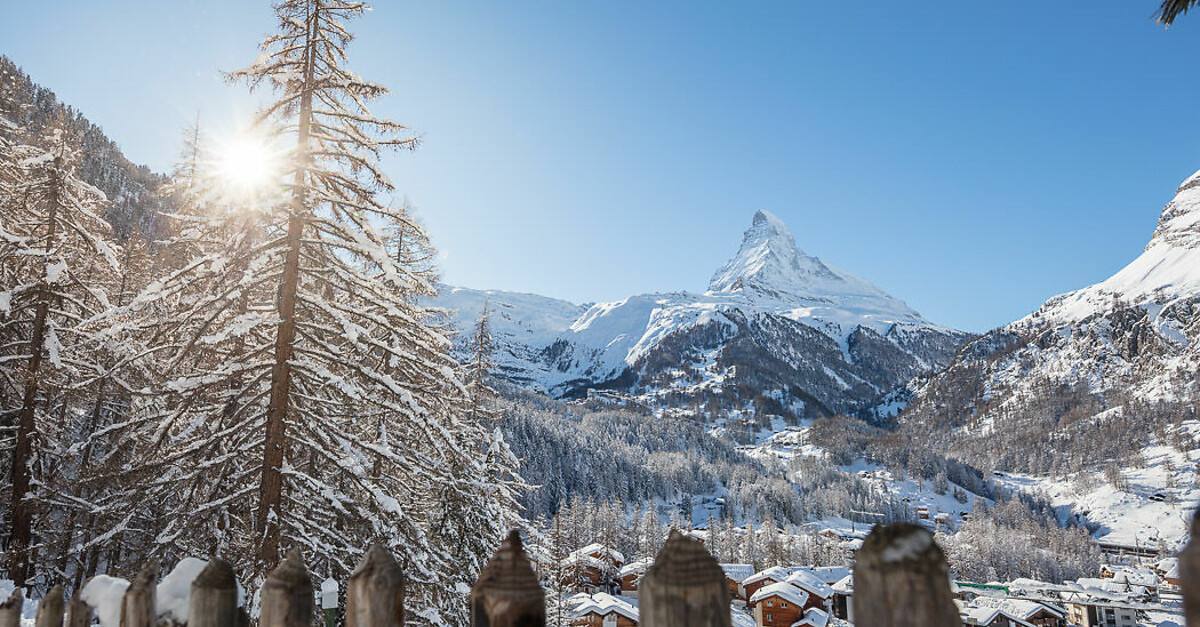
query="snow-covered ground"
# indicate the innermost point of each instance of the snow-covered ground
(793, 441)
(1155, 507)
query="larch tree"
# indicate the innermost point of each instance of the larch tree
(309, 399)
(479, 366)
(59, 260)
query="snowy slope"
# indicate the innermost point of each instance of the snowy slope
(522, 325)
(1084, 388)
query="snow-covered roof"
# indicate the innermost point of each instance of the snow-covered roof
(1135, 576)
(814, 617)
(829, 574)
(1021, 608)
(602, 604)
(1169, 567)
(806, 580)
(601, 550)
(785, 591)
(584, 561)
(1109, 586)
(738, 572)
(634, 568)
(741, 619)
(983, 615)
(845, 585)
(778, 573)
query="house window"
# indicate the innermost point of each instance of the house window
(770, 604)
(770, 618)
(783, 604)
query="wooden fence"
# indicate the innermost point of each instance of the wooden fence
(901, 579)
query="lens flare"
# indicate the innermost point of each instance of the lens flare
(248, 165)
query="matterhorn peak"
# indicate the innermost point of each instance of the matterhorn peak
(769, 261)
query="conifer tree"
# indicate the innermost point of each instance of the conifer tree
(309, 399)
(58, 259)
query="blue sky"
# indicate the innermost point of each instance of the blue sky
(970, 158)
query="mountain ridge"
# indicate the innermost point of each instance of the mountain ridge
(752, 306)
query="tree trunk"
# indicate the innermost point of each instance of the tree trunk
(271, 486)
(21, 508)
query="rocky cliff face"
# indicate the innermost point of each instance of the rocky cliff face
(778, 331)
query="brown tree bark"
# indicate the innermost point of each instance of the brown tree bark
(271, 486)
(21, 508)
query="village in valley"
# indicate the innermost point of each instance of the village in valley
(600, 589)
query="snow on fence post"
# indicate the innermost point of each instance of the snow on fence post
(901, 579)
(1189, 572)
(287, 595)
(137, 606)
(213, 597)
(10, 609)
(685, 587)
(375, 593)
(507, 593)
(79, 613)
(50, 610)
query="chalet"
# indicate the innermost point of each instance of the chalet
(601, 552)
(630, 575)
(820, 593)
(779, 605)
(591, 569)
(734, 575)
(758, 580)
(1168, 571)
(604, 610)
(923, 512)
(843, 599)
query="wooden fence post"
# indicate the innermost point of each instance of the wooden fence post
(375, 593)
(213, 600)
(507, 593)
(137, 606)
(685, 587)
(1189, 574)
(50, 610)
(10, 609)
(287, 595)
(79, 613)
(901, 579)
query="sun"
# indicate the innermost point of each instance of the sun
(248, 165)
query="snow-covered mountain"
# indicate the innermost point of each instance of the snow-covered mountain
(777, 329)
(1095, 389)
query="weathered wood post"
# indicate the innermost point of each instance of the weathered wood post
(10, 609)
(50, 610)
(287, 595)
(507, 593)
(685, 587)
(213, 600)
(137, 606)
(79, 613)
(1189, 574)
(375, 593)
(901, 579)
